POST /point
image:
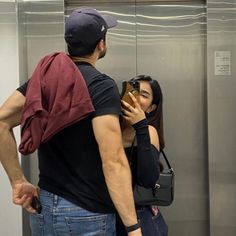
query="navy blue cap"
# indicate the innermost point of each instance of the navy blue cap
(87, 26)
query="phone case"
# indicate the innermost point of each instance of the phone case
(36, 204)
(130, 86)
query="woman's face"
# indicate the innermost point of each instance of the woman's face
(146, 96)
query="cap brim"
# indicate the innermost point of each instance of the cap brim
(111, 21)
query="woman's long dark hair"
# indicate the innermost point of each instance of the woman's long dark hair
(155, 118)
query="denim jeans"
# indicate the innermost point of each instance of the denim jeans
(152, 225)
(60, 217)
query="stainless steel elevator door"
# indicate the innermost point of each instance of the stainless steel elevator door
(167, 41)
(171, 48)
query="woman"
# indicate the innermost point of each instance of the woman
(142, 132)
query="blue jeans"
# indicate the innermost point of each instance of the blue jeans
(152, 225)
(62, 218)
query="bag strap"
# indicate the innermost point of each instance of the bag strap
(166, 159)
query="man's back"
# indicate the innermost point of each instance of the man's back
(69, 163)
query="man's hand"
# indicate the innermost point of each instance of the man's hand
(10, 116)
(23, 194)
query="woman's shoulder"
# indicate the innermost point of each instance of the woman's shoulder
(152, 130)
(154, 136)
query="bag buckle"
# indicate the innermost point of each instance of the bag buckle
(157, 185)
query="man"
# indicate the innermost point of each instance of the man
(84, 174)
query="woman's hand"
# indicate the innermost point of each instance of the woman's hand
(132, 114)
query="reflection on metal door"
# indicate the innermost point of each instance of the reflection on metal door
(171, 47)
(167, 41)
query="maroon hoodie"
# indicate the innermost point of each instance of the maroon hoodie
(56, 97)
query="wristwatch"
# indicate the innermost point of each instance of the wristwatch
(133, 227)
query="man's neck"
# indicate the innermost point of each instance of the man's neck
(91, 60)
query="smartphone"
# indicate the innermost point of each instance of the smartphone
(36, 204)
(132, 87)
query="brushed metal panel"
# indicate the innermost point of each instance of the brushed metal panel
(171, 48)
(44, 29)
(221, 119)
(106, 2)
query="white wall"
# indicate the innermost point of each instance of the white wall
(10, 214)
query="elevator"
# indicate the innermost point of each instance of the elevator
(175, 42)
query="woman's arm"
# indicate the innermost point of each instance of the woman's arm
(147, 144)
(147, 154)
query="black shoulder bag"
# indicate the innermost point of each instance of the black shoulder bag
(162, 194)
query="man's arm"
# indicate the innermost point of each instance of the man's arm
(115, 167)
(10, 115)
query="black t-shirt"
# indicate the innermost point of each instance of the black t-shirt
(69, 163)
